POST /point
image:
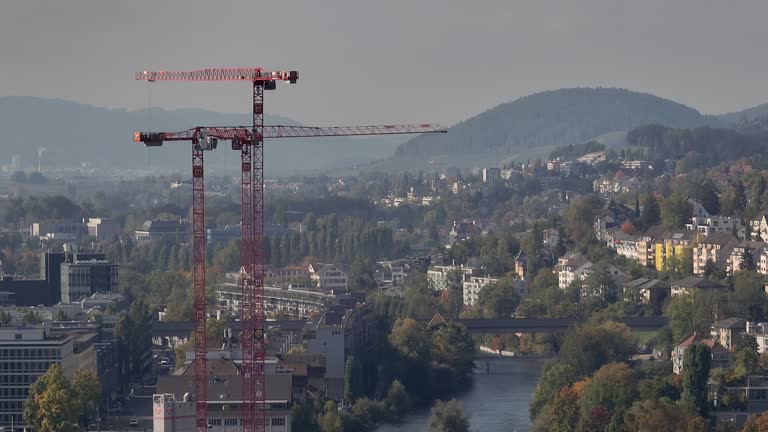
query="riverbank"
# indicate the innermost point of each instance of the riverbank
(497, 401)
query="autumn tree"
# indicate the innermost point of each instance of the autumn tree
(410, 339)
(54, 403)
(662, 415)
(565, 410)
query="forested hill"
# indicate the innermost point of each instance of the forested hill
(544, 120)
(75, 134)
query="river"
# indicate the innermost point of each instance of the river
(497, 402)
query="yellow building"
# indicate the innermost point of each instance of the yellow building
(673, 246)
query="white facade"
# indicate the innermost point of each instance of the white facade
(171, 415)
(716, 225)
(329, 340)
(472, 286)
(328, 277)
(438, 275)
(102, 229)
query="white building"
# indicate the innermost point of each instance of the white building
(295, 303)
(328, 277)
(716, 225)
(567, 267)
(759, 227)
(438, 275)
(471, 288)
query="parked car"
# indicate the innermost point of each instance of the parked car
(134, 422)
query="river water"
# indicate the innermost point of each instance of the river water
(497, 402)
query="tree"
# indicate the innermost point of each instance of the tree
(135, 336)
(61, 315)
(5, 318)
(650, 214)
(330, 420)
(675, 211)
(453, 347)
(757, 423)
(498, 299)
(555, 376)
(739, 196)
(628, 228)
(87, 389)
(662, 415)
(51, 406)
(578, 219)
(565, 410)
(31, 318)
(747, 260)
(696, 363)
(397, 400)
(448, 417)
(409, 339)
(613, 387)
(353, 380)
(590, 346)
(746, 360)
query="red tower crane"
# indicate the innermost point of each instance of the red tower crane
(250, 144)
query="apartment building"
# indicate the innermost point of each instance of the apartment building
(328, 277)
(438, 275)
(716, 225)
(715, 248)
(567, 268)
(80, 279)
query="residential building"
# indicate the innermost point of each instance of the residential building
(102, 229)
(550, 238)
(521, 264)
(472, 286)
(391, 272)
(438, 275)
(180, 230)
(328, 277)
(80, 279)
(692, 283)
(715, 248)
(653, 291)
(716, 225)
(697, 209)
(741, 255)
(759, 227)
(491, 175)
(567, 268)
(721, 357)
(611, 218)
(753, 392)
(295, 303)
(26, 353)
(673, 246)
(286, 274)
(758, 330)
(462, 230)
(728, 332)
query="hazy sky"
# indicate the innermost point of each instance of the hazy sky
(385, 61)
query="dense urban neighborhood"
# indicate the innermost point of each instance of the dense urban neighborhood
(641, 271)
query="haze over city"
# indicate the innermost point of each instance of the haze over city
(392, 216)
(386, 62)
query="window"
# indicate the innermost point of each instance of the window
(18, 336)
(278, 421)
(230, 422)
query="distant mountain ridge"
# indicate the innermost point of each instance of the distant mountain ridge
(537, 123)
(73, 134)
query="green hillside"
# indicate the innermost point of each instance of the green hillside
(542, 121)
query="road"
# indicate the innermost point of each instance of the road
(139, 407)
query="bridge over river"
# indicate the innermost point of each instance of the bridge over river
(549, 325)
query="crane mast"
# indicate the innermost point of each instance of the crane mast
(250, 142)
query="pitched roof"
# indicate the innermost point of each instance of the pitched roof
(720, 239)
(697, 282)
(436, 321)
(712, 344)
(645, 283)
(731, 323)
